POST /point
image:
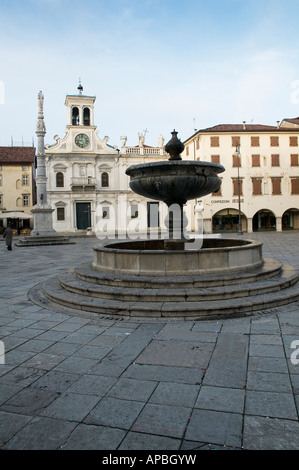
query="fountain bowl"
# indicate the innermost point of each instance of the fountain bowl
(150, 258)
(175, 181)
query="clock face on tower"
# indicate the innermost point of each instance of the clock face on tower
(82, 140)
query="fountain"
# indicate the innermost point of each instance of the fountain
(175, 182)
(176, 277)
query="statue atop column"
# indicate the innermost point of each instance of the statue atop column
(40, 127)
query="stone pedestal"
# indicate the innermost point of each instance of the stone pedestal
(43, 221)
(43, 233)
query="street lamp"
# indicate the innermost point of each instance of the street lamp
(238, 155)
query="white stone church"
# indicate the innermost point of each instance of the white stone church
(86, 181)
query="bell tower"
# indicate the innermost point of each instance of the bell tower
(80, 127)
(80, 109)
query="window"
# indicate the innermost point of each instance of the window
(293, 141)
(236, 141)
(25, 180)
(105, 180)
(0, 180)
(236, 161)
(274, 141)
(59, 180)
(134, 211)
(106, 212)
(86, 117)
(276, 186)
(218, 193)
(255, 141)
(236, 187)
(25, 168)
(197, 144)
(294, 160)
(60, 213)
(255, 160)
(214, 141)
(187, 151)
(215, 158)
(257, 186)
(1, 201)
(25, 200)
(294, 185)
(75, 116)
(275, 160)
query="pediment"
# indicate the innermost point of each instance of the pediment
(67, 145)
(59, 167)
(60, 204)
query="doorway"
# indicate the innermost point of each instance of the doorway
(83, 215)
(153, 219)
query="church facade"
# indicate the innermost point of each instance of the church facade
(86, 181)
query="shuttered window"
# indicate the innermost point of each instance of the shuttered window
(255, 160)
(294, 160)
(276, 183)
(215, 158)
(257, 186)
(294, 185)
(293, 141)
(236, 161)
(236, 187)
(214, 141)
(274, 141)
(275, 160)
(235, 141)
(255, 141)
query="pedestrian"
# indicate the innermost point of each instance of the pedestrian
(8, 237)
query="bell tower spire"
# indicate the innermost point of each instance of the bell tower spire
(80, 87)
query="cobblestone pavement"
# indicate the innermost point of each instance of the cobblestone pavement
(71, 381)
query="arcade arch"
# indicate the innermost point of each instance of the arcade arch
(226, 220)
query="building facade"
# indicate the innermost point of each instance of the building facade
(261, 164)
(86, 181)
(17, 187)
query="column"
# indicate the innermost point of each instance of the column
(41, 179)
(249, 225)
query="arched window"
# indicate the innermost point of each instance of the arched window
(59, 180)
(105, 180)
(86, 117)
(75, 116)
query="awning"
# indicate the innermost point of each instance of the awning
(15, 215)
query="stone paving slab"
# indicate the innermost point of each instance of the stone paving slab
(77, 380)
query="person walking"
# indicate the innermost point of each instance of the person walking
(8, 237)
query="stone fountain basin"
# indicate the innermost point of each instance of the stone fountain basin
(150, 258)
(175, 182)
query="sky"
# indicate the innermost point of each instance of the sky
(153, 65)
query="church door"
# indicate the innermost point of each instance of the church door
(83, 215)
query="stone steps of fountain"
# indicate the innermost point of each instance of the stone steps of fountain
(269, 269)
(179, 293)
(274, 292)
